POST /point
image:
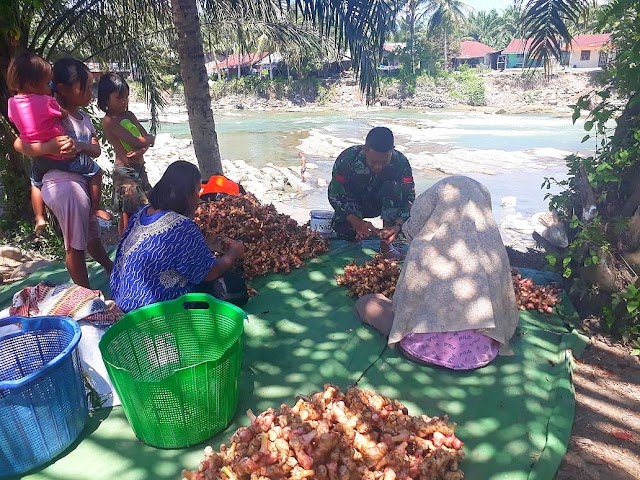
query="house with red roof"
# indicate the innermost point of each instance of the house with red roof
(516, 55)
(585, 51)
(232, 63)
(474, 53)
(390, 62)
(590, 51)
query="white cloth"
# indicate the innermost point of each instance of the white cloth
(94, 366)
(456, 275)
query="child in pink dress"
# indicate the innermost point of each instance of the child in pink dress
(39, 118)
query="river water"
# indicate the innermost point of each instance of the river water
(510, 154)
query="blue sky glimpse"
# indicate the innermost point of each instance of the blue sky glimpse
(479, 5)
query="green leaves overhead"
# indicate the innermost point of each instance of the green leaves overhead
(120, 31)
(104, 32)
(357, 25)
(548, 23)
(493, 28)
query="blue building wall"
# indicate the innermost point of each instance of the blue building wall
(517, 60)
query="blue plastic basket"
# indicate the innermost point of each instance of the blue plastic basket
(43, 406)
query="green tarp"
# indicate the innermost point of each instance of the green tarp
(514, 415)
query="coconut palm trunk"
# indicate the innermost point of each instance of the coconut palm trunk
(446, 53)
(196, 87)
(411, 17)
(412, 34)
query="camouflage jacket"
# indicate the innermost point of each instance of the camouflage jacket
(354, 185)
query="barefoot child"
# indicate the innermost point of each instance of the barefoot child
(130, 141)
(40, 118)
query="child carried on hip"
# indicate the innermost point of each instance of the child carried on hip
(40, 118)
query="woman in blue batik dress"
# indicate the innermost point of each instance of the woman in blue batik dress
(163, 254)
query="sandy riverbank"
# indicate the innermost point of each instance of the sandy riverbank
(508, 92)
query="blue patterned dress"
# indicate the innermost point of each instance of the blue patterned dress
(160, 257)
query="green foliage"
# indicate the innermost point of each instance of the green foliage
(624, 313)
(14, 178)
(21, 233)
(171, 83)
(492, 28)
(406, 83)
(325, 94)
(611, 172)
(309, 89)
(586, 249)
(466, 85)
(622, 17)
(426, 52)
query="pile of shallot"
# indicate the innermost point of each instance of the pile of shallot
(379, 275)
(530, 296)
(331, 435)
(273, 242)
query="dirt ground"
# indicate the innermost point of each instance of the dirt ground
(605, 439)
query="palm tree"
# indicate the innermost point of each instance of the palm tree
(548, 23)
(359, 25)
(196, 87)
(416, 11)
(117, 31)
(447, 15)
(512, 22)
(293, 39)
(486, 27)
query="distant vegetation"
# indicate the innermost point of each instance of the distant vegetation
(297, 91)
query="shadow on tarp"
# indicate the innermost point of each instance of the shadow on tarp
(302, 332)
(514, 415)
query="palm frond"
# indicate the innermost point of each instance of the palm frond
(102, 31)
(547, 23)
(360, 26)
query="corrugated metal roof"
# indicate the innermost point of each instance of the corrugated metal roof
(582, 42)
(517, 45)
(232, 61)
(473, 49)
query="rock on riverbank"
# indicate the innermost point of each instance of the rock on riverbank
(270, 183)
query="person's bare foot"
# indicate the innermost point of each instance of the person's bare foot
(103, 214)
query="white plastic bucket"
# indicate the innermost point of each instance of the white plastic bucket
(321, 222)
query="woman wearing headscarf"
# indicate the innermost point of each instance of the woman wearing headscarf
(454, 303)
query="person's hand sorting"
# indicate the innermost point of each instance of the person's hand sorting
(389, 234)
(362, 228)
(236, 249)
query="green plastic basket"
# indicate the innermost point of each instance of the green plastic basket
(175, 366)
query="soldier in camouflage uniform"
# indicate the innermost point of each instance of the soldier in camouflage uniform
(372, 180)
